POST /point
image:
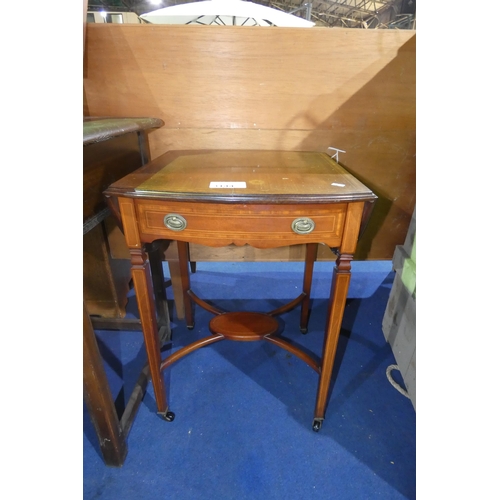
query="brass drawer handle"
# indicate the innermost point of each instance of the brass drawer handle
(304, 225)
(175, 222)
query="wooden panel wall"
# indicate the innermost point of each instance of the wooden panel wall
(271, 88)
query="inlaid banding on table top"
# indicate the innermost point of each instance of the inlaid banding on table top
(269, 172)
(284, 175)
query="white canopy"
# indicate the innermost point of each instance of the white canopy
(225, 12)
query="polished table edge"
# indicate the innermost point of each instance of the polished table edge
(98, 129)
(278, 199)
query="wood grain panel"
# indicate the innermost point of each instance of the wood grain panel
(238, 77)
(260, 88)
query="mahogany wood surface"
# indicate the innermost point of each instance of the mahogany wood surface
(243, 325)
(183, 252)
(261, 226)
(311, 251)
(266, 89)
(338, 295)
(141, 274)
(286, 176)
(147, 196)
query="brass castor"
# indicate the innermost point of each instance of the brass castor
(317, 423)
(168, 416)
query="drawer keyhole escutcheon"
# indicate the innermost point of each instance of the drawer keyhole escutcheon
(175, 222)
(303, 225)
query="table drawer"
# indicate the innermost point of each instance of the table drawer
(262, 226)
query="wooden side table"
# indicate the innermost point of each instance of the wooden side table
(266, 199)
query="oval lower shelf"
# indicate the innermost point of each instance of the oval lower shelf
(244, 326)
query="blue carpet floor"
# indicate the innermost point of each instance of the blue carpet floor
(244, 410)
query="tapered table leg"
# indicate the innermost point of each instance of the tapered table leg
(156, 251)
(183, 250)
(143, 283)
(311, 252)
(172, 257)
(338, 295)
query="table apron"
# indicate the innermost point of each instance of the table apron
(262, 226)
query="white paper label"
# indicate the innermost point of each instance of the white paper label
(227, 185)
